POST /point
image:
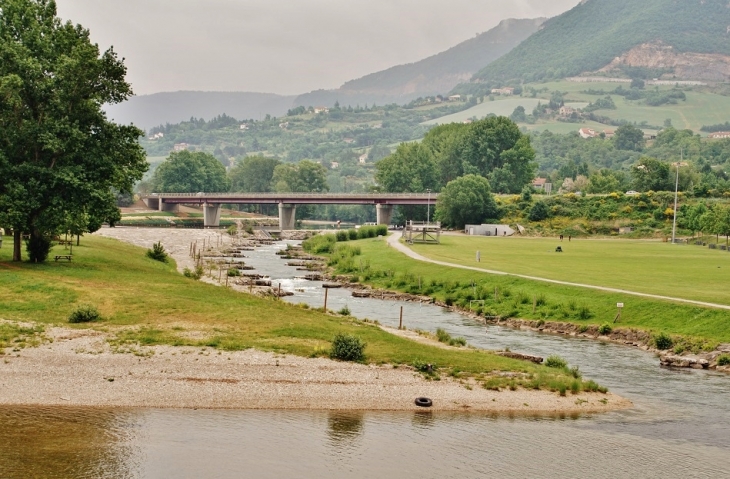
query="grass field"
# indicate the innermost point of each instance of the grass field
(653, 267)
(145, 302)
(699, 109)
(521, 298)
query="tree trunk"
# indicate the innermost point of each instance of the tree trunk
(78, 240)
(17, 238)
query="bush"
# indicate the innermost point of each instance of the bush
(442, 336)
(585, 313)
(663, 341)
(723, 360)
(347, 347)
(341, 235)
(234, 272)
(193, 274)
(38, 247)
(320, 244)
(84, 314)
(352, 234)
(555, 361)
(605, 329)
(345, 311)
(157, 253)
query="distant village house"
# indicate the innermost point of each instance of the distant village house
(508, 91)
(180, 147)
(321, 109)
(719, 135)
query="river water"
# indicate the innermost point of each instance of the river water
(679, 427)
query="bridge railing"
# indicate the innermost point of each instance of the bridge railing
(294, 195)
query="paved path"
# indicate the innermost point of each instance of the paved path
(394, 241)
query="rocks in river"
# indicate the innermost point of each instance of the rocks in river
(313, 277)
(524, 357)
(675, 361)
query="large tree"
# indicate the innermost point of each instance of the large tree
(466, 200)
(253, 174)
(303, 177)
(187, 172)
(59, 155)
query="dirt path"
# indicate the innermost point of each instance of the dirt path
(394, 241)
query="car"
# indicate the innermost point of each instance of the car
(632, 192)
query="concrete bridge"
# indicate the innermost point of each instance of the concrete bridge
(211, 203)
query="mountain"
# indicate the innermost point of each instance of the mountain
(434, 75)
(147, 111)
(616, 35)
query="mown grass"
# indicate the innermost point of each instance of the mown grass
(682, 271)
(146, 302)
(507, 296)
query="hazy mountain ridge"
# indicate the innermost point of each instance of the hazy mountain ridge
(594, 33)
(147, 111)
(434, 75)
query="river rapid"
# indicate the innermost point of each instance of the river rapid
(679, 427)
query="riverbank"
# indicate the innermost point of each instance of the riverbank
(80, 368)
(169, 341)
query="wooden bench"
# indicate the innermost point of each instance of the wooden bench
(63, 256)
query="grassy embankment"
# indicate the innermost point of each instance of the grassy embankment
(145, 302)
(686, 271)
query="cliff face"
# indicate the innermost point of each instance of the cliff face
(683, 66)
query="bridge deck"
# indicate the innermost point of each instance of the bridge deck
(299, 198)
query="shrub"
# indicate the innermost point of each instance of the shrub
(575, 372)
(38, 247)
(423, 367)
(342, 235)
(585, 313)
(84, 314)
(193, 274)
(723, 360)
(458, 342)
(582, 328)
(605, 329)
(157, 253)
(352, 234)
(663, 341)
(320, 244)
(234, 272)
(232, 230)
(555, 361)
(442, 335)
(347, 347)
(345, 311)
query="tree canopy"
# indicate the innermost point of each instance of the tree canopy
(188, 172)
(59, 155)
(493, 148)
(253, 174)
(303, 177)
(466, 200)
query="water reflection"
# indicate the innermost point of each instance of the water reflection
(343, 428)
(65, 443)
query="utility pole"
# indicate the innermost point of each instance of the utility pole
(676, 193)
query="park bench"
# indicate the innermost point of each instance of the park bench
(63, 256)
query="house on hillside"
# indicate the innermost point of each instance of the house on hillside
(508, 91)
(321, 109)
(586, 133)
(609, 133)
(284, 125)
(566, 111)
(180, 147)
(334, 165)
(243, 126)
(719, 135)
(539, 183)
(455, 98)
(363, 158)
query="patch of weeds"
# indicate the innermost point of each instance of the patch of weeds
(555, 361)
(662, 341)
(605, 329)
(584, 313)
(582, 328)
(84, 314)
(723, 360)
(575, 372)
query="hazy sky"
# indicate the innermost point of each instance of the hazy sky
(282, 46)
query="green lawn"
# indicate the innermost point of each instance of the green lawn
(654, 267)
(510, 296)
(146, 302)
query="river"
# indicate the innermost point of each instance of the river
(679, 427)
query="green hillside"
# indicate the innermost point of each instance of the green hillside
(592, 34)
(434, 75)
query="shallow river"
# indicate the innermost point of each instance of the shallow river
(680, 426)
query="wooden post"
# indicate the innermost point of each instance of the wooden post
(400, 322)
(280, 290)
(325, 299)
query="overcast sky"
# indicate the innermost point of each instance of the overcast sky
(282, 46)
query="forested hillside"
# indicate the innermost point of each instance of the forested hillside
(434, 75)
(595, 32)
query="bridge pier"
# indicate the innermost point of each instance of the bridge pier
(211, 215)
(169, 207)
(287, 216)
(384, 214)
